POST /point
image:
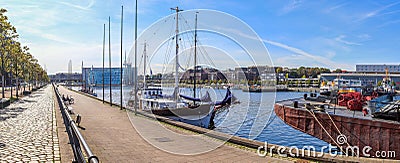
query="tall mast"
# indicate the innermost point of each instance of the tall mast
(144, 66)
(176, 91)
(104, 45)
(109, 55)
(84, 77)
(122, 27)
(126, 70)
(136, 91)
(195, 56)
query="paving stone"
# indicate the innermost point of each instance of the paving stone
(28, 130)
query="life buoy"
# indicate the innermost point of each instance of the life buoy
(354, 105)
(341, 97)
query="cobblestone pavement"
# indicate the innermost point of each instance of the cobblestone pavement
(28, 129)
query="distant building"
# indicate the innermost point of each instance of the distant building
(254, 73)
(366, 78)
(129, 74)
(70, 67)
(203, 74)
(241, 73)
(366, 68)
(303, 82)
(66, 78)
(93, 76)
(229, 74)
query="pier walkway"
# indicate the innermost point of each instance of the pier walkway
(112, 137)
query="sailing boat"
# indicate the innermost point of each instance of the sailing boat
(192, 110)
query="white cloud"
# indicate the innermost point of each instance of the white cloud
(389, 23)
(44, 35)
(336, 7)
(364, 36)
(307, 56)
(377, 11)
(291, 6)
(341, 38)
(87, 7)
(330, 54)
(315, 58)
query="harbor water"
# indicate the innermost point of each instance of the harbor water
(252, 118)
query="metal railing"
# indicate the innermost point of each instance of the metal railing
(75, 137)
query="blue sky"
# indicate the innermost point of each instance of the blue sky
(333, 34)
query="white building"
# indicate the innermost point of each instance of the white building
(370, 68)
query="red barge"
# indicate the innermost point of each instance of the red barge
(328, 121)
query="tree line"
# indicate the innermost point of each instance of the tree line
(304, 72)
(16, 62)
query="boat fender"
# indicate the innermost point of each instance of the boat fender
(296, 104)
(365, 111)
(217, 107)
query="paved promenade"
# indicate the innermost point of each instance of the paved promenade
(112, 137)
(28, 129)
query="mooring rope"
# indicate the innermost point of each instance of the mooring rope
(340, 133)
(315, 117)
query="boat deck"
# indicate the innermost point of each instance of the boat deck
(334, 109)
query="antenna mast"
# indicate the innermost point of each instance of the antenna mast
(144, 66)
(195, 57)
(176, 91)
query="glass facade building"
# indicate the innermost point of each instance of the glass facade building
(93, 76)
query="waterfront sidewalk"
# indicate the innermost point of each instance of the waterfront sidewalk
(28, 129)
(112, 137)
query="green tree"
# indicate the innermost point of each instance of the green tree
(16, 61)
(278, 70)
(338, 70)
